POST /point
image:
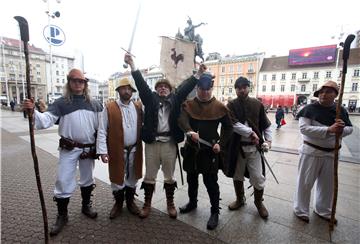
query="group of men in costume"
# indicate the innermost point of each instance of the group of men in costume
(161, 119)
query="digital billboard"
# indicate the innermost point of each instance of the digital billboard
(313, 55)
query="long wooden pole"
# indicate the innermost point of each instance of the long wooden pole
(24, 32)
(346, 54)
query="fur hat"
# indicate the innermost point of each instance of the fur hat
(330, 84)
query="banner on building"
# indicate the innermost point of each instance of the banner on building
(176, 59)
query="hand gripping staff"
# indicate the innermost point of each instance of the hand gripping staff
(24, 33)
(346, 54)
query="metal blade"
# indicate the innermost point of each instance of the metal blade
(268, 165)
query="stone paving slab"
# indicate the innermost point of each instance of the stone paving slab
(21, 219)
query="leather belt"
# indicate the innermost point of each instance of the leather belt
(324, 149)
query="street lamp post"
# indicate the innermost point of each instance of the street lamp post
(51, 16)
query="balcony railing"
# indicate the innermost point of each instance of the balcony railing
(301, 80)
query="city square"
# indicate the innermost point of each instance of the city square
(21, 213)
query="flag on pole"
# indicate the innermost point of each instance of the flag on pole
(176, 59)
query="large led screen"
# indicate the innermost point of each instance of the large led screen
(312, 55)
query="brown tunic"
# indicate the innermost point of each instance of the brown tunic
(115, 144)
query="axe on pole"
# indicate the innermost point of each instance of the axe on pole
(24, 33)
(345, 57)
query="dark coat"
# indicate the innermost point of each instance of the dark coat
(204, 118)
(151, 101)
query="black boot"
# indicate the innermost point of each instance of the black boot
(118, 205)
(130, 203)
(62, 217)
(192, 193)
(213, 221)
(214, 195)
(86, 202)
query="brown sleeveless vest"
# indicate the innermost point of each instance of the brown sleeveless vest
(115, 143)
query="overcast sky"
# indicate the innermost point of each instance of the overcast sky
(99, 28)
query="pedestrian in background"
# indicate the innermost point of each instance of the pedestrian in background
(279, 115)
(319, 126)
(200, 118)
(119, 144)
(78, 118)
(12, 105)
(160, 132)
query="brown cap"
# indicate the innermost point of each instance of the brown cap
(163, 81)
(330, 84)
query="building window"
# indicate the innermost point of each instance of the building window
(273, 77)
(314, 87)
(230, 89)
(39, 80)
(264, 77)
(354, 87)
(222, 69)
(282, 88)
(328, 74)
(293, 76)
(304, 75)
(283, 76)
(264, 88)
(316, 75)
(356, 72)
(231, 69)
(292, 88)
(239, 68)
(340, 74)
(273, 88)
(303, 88)
(231, 80)
(63, 81)
(251, 68)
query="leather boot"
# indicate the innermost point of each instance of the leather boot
(258, 195)
(169, 189)
(240, 197)
(62, 217)
(86, 202)
(149, 190)
(118, 205)
(213, 221)
(130, 203)
(192, 193)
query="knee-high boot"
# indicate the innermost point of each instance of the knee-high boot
(62, 217)
(258, 199)
(240, 196)
(149, 190)
(86, 202)
(169, 190)
(118, 205)
(130, 203)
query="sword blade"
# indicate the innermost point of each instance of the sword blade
(134, 28)
(206, 143)
(268, 165)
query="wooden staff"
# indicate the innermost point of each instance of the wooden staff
(346, 54)
(24, 33)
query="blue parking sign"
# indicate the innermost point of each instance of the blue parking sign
(54, 35)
